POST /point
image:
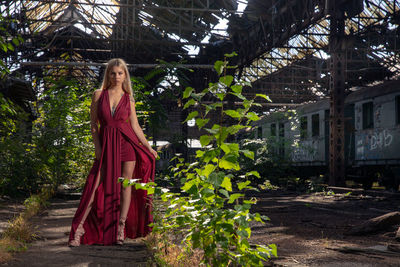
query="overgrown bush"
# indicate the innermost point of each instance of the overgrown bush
(61, 134)
(18, 164)
(57, 147)
(211, 214)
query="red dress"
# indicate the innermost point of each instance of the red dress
(101, 225)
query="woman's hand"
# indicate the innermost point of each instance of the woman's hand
(97, 152)
(153, 152)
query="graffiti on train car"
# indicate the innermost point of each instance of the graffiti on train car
(381, 139)
(305, 151)
(369, 143)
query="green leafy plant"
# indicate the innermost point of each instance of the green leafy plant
(211, 212)
(61, 134)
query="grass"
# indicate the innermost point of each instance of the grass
(20, 232)
(166, 248)
(165, 252)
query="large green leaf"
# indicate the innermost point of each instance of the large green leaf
(229, 162)
(225, 148)
(234, 147)
(252, 116)
(187, 92)
(208, 169)
(219, 66)
(239, 95)
(216, 178)
(10, 47)
(15, 41)
(188, 185)
(205, 140)
(201, 122)
(198, 96)
(211, 131)
(265, 97)
(237, 88)
(232, 113)
(243, 185)
(253, 173)
(235, 128)
(226, 183)
(209, 155)
(227, 80)
(191, 102)
(224, 192)
(191, 115)
(233, 197)
(199, 153)
(248, 153)
(220, 96)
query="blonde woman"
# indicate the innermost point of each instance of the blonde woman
(108, 212)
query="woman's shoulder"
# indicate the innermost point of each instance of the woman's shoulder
(96, 94)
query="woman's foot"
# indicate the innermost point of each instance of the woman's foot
(121, 231)
(79, 232)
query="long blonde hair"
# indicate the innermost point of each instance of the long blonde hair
(126, 85)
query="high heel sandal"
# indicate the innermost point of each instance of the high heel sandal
(79, 232)
(121, 231)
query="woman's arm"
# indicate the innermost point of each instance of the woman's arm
(94, 128)
(137, 129)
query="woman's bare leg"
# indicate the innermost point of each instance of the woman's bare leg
(127, 171)
(79, 230)
(89, 207)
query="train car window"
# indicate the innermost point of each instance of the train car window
(273, 129)
(303, 127)
(398, 109)
(259, 132)
(368, 115)
(281, 130)
(315, 125)
(281, 137)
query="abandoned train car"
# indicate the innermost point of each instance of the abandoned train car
(372, 135)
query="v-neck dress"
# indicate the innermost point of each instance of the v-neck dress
(126, 148)
(116, 132)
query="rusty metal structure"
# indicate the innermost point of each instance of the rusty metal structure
(294, 51)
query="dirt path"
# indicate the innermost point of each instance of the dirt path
(51, 249)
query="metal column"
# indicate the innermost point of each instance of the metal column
(337, 96)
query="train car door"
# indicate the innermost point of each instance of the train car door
(281, 139)
(326, 137)
(349, 134)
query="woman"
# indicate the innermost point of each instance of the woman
(108, 211)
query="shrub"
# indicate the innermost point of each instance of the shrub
(211, 214)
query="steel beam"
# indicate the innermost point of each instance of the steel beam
(87, 64)
(337, 96)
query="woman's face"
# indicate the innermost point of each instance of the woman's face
(117, 75)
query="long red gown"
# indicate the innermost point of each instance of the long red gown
(101, 225)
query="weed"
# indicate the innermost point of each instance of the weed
(19, 232)
(268, 186)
